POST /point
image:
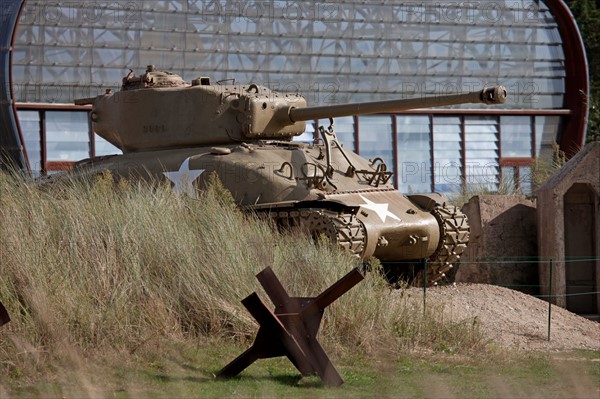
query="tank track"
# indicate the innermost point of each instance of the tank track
(342, 228)
(348, 232)
(454, 228)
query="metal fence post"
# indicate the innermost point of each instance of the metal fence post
(550, 300)
(424, 284)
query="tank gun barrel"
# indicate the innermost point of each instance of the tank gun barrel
(491, 95)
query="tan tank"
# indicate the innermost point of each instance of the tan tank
(181, 132)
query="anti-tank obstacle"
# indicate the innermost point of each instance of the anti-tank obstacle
(291, 329)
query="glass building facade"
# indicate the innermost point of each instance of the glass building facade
(332, 52)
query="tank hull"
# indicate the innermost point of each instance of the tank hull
(290, 183)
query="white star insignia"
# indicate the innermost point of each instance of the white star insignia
(183, 178)
(380, 209)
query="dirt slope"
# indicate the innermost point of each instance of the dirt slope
(513, 319)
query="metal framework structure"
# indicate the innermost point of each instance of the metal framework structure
(331, 52)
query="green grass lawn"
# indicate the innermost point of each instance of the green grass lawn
(112, 292)
(184, 371)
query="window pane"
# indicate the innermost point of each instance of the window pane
(525, 179)
(481, 146)
(509, 184)
(447, 153)
(30, 128)
(513, 182)
(67, 135)
(375, 138)
(546, 132)
(103, 147)
(414, 153)
(517, 136)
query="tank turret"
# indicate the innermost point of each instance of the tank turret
(179, 133)
(160, 110)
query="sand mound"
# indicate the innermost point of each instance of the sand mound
(513, 319)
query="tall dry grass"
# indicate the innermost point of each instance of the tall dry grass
(96, 266)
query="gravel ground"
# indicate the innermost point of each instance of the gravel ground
(513, 319)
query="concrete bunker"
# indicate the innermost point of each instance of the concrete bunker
(579, 235)
(568, 218)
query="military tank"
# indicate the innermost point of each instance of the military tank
(170, 129)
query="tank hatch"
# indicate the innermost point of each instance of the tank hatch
(152, 78)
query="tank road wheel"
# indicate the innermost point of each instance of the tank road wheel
(454, 228)
(343, 229)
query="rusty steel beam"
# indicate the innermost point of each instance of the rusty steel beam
(291, 330)
(274, 289)
(338, 289)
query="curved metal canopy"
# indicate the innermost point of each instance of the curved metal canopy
(12, 152)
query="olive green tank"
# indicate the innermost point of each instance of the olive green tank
(170, 129)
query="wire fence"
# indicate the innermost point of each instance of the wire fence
(589, 287)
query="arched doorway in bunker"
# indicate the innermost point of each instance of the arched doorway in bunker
(581, 266)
